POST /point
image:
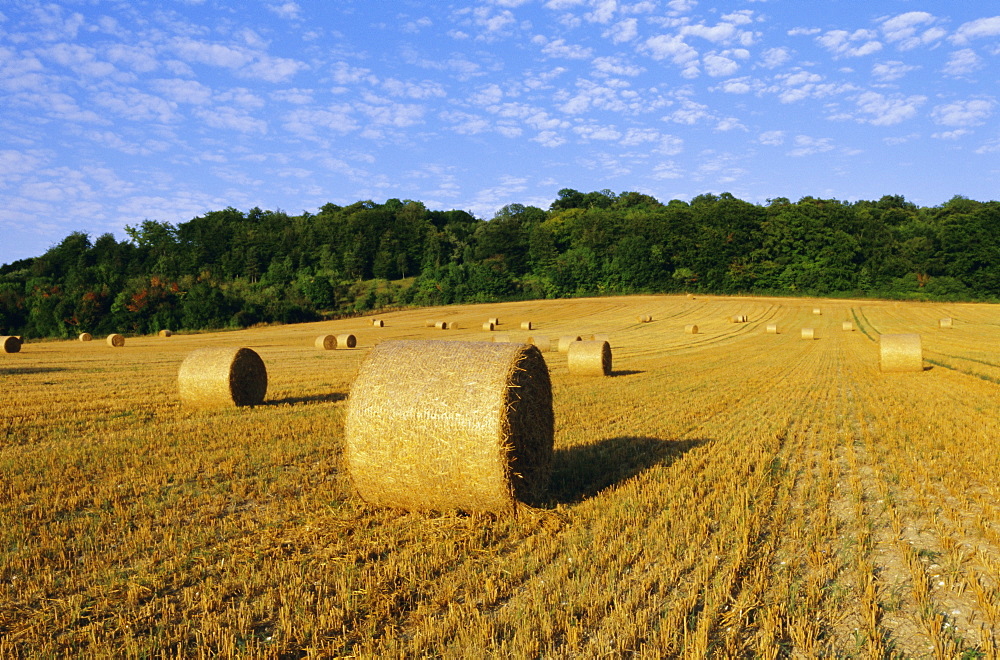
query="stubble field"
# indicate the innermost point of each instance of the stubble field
(731, 493)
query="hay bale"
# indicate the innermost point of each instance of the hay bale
(691, 329)
(441, 325)
(644, 318)
(808, 333)
(566, 340)
(772, 328)
(222, 377)
(115, 340)
(526, 325)
(690, 296)
(346, 341)
(589, 358)
(429, 323)
(544, 344)
(494, 320)
(10, 344)
(488, 326)
(739, 318)
(945, 323)
(847, 326)
(817, 311)
(434, 425)
(378, 323)
(901, 353)
(165, 333)
(325, 342)
(85, 336)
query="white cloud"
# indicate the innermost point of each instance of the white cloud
(229, 118)
(977, 29)
(141, 59)
(667, 170)
(775, 57)
(413, 27)
(879, 110)
(991, 147)
(287, 10)
(212, 54)
(623, 31)
(681, 6)
(891, 70)
(850, 44)
(549, 139)
(414, 90)
(962, 63)
(904, 30)
(674, 48)
(597, 132)
(345, 74)
(615, 66)
(951, 135)
(311, 122)
(737, 86)
(803, 32)
(799, 85)
(604, 11)
(717, 65)
(182, 91)
(973, 112)
(559, 48)
(466, 124)
(772, 138)
(807, 146)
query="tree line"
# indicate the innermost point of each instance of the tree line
(231, 268)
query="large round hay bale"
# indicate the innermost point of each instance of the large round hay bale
(166, 333)
(115, 340)
(945, 322)
(346, 341)
(441, 325)
(222, 377)
(589, 358)
(566, 340)
(808, 333)
(434, 425)
(10, 344)
(494, 320)
(644, 318)
(691, 329)
(544, 344)
(772, 328)
(817, 311)
(847, 326)
(488, 326)
(325, 342)
(85, 336)
(526, 325)
(378, 323)
(901, 353)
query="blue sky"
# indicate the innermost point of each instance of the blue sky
(115, 112)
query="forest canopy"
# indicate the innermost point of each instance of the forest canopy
(230, 268)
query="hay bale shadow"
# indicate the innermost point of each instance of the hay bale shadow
(626, 372)
(15, 371)
(581, 472)
(332, 397)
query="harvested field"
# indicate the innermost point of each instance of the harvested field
(808, 506)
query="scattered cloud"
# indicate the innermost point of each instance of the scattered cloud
(772, 138)
(962, 63)
(977, 29)
(879, 110)
(850, 44)
(559, 48)
(808, 146)
(973, 112)
(912, 30)
(286, 10)
(892, 70)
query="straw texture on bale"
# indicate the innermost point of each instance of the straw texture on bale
(326, 342)
(808, 333)
(494, 320)
(847, 326)
(166, 333)
(488, 326)
(441, 325)
(116, 340)
(566, 340)
(222, 377)
(10, 344)
(900, 353)
(378, 323)
(435, 425)
(817, 311)
(346, 341)
(86, 336)
(451, 325)
(691, 329)
(772, 328)
(544, 344)
(589, 358)
(526, 325)
(945, 323)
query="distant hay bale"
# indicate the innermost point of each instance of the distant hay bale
(451, 325)
(945, 323)
(544, 344)
(644, 318)
(346, 341)
(494, 320)
(772, 328)
(847, 326)
(222, 377)
(488, 326)
(691, 329)
(429, 323)
(566, 340)
(325, 342)
(589, 358)
(441, 325)
(116, 340)
(166, 333)
(739, 318)
(606, 338)
(85, 336)
(502, 337)
(10, 344)
(901, 353)
(808, 333)
(690, 296)
(526, 325)
(438, 426)
(378, 323)
(817, 311)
